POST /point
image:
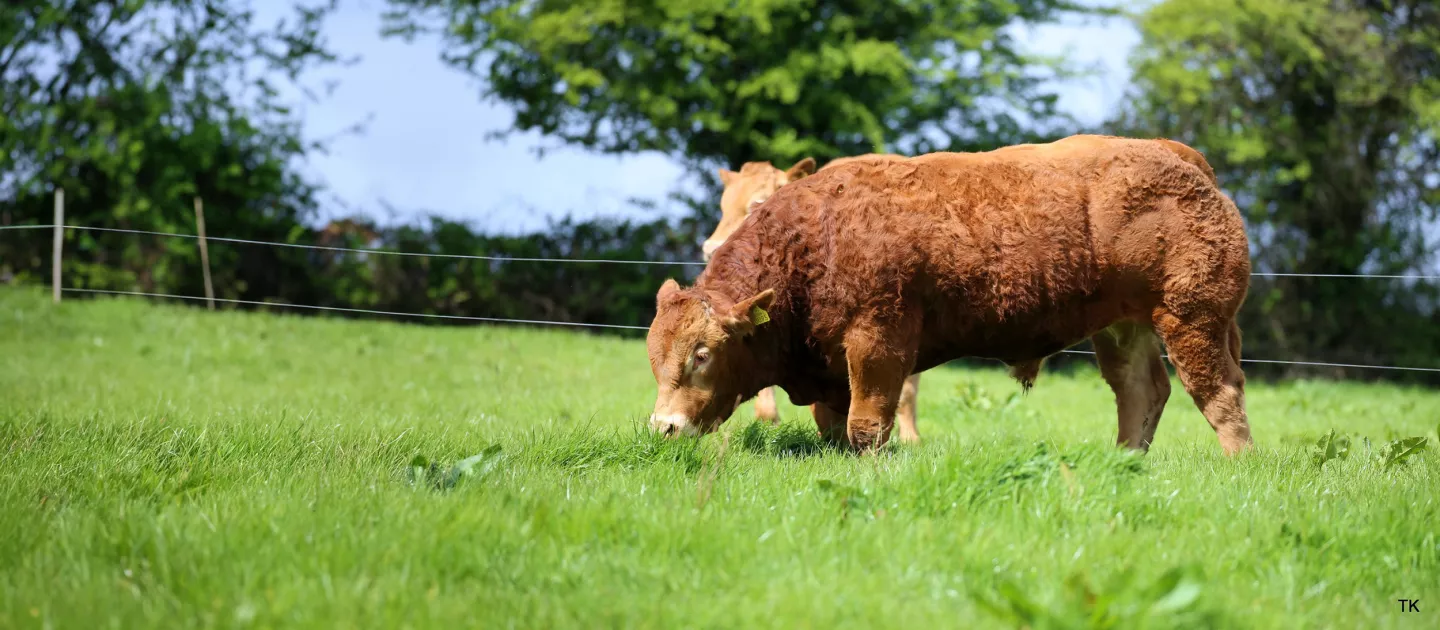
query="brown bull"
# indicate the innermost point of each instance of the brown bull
(756, 181)
(846, 282)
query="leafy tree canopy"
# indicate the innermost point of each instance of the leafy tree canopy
(717, 81)
(136, 106)
(1321, 118)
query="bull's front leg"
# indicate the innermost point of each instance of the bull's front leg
(879, 359)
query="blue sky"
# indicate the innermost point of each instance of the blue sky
(425, 149)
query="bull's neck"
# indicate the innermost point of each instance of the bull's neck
(768, 343)
(768, 346)
(739, 273)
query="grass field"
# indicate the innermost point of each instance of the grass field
(169, 467)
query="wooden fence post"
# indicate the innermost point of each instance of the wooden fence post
(204, 253)
(58, 245)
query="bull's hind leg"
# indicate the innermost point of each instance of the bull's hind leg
(1129, 357)
(905, 415)
(765, 408)
(1205, 352)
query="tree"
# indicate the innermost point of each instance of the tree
(1321, 119)
(718, 82)
(136, 106)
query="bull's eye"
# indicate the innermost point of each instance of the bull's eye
(702, 355)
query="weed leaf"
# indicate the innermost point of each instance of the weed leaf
(1399, 451)
(419, 470)
(1330, 447)
(422, 471)
(474, 466)
(1180, 591)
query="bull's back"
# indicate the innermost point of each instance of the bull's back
(1021, 243)
(1005, 235)
(868, 157)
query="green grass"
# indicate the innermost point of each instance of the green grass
(168, 467)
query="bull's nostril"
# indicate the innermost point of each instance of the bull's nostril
(669, 429)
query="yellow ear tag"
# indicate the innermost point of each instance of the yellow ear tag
(758, 315)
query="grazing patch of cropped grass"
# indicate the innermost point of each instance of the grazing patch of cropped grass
(169, 467)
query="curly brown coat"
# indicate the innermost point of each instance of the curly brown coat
(879, 268)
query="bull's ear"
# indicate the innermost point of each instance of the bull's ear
(751, 312)
(727, 176)
(666, 290)
(801, 169)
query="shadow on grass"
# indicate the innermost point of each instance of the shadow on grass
(582, 448)
(785, 440)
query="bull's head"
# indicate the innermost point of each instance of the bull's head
(700, 359)
(746, 190)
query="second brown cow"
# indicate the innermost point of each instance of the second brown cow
(846, 282)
